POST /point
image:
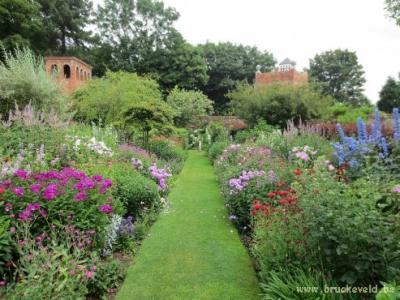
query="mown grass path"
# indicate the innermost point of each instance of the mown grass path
(193, 252)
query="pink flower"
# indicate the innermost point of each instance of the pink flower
(303, 156)
(22, 174)
(396, 189)
(106, 208)
(35, 188)
(81, 196)
(3, 283)
(18, 191)
(50, 193)
(89, 274)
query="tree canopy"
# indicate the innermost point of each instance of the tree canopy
(389, 96)
(339, 75)
(227, 64)
(393, 8)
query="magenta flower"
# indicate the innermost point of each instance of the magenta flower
(105, 185)
(81, 196)
(18, 191)
(22, 174)
(3, 283)
(97, 178)
(106, 208)
(50, 193)
(89, 274)
(35, 188)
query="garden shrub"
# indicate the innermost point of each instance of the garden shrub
(278, 103)
(173, 155)
(136, 192)
(344, 113)
(24, 80)
(188, 104)
(357, 241)
(216, 149)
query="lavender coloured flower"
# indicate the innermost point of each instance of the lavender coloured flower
(126, 226)
(161, 175)
(238, 184)
(396, 189)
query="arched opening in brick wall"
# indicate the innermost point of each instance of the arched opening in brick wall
(67, 71)
(77, 73)
(54, 70)
(81, 76)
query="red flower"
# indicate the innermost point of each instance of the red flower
(284, 201)
(297, 172)
(1, 190)
(271, 195)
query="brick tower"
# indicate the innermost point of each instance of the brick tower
(69, 70)
(285, 73)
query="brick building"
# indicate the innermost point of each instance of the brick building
(286, 73)
(70, 71)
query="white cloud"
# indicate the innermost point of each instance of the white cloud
(299, 29)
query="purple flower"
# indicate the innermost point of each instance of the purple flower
(35, 188)
(81, 196)
(303, 156)
(105, 185)
(50, 193)
(22, 174)
(98, 178)
(18, 191)
(106, 209)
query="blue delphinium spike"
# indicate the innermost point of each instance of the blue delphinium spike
(396, 124)
(362, 131)
(341, 132)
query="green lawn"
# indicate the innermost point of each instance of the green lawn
(193, 252)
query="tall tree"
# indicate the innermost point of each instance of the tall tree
(20, 23)
(134, 28)
(389, 95)
(393, 8)
(138, 36)
(227, 64)
(340, 75)
(66, 23)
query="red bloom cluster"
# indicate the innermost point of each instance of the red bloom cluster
(258, 207)
(284, 197)
(341, 173)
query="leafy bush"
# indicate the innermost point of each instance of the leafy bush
(188, 104)
(216, 149)
(24, 80)
(172, 154)
(137, 193)
(344, 113)
(278, 103)
(358, 243)
(110, 98)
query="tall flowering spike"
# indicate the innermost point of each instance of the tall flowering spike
(383, 145)
(341, 132)
(362, 131)
(396, 124)
(376, 127)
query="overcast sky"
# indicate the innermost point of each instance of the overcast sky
(299, 29)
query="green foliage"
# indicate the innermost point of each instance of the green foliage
(50, 272)
(278, 103)
(20, 24)
(339, 75)
(135, 191)
(24, 80)
(357, 242)
(229, 64)
(293, 285)
(66, 23)
(122, 98)
(345, 113)
(108, 277)
(7, 246)
(173, 155)
(389, 291)
(393, 8)
(389, 96)
(188, 104)
(216, 149)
